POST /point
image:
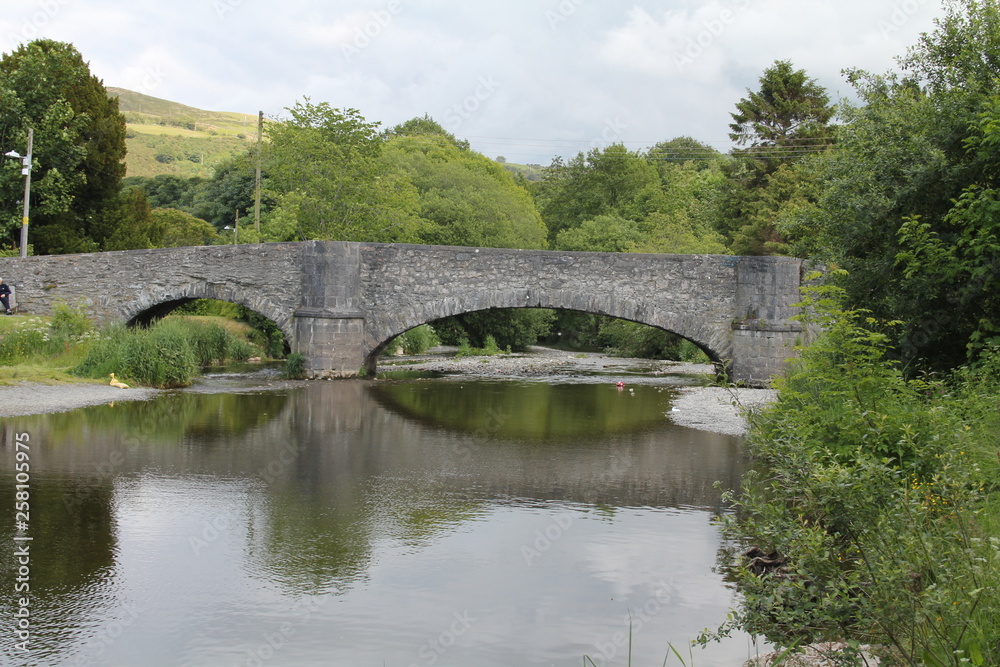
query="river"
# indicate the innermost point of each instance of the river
(403, 522)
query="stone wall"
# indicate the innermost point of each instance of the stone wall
(340, 303)
(128, 285)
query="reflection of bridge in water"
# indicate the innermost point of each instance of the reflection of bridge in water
(339, 304)
(302, 489)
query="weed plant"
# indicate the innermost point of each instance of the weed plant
(416, 341)
(873, 513)
(489, 349)
(32, 339)
(168, 354)
(295, 366)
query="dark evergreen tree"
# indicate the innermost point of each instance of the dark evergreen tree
(79, 145)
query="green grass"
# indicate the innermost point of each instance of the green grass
(164, 137)
(178, 152)
(146, 109)
(66, 348)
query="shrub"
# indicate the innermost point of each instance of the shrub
(416, 341)
(871, 518)
(295, 366)
(160, 356)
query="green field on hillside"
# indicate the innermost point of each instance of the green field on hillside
(165, 137)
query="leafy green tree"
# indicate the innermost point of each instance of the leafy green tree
(329, 181)
(684, 150)
(785, 122)
(79, 144)
(425, 126)
(789, 114)
(912, 180)
(183, 229)
(466, 199)
(128, 224)
(609, 181)
(605, 233)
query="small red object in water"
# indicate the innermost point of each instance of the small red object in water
(620, 385)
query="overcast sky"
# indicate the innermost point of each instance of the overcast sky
(527, 79)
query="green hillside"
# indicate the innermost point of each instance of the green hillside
(165, 137)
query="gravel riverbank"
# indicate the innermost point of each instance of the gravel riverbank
(708, 408)
(31, 398)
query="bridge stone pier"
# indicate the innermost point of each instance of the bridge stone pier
(340, 304)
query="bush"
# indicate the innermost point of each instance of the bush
(295, 366)
(35, 337)
(415, 341)
(872, 517)
(167, 354)
(160, 356)
(630, 339)
(514, 328)
(214, 344)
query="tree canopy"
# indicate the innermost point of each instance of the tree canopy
(329, 181)
(79, 145)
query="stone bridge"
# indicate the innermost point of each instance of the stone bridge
(340, 304)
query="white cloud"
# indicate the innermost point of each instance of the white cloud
(546, 76)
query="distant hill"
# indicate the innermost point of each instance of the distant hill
(164, 137)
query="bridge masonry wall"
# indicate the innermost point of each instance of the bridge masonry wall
(736, 308)
(339, 303)
(122, 286)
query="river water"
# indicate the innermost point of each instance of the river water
(393, 523)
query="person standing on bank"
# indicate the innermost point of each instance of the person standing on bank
(5, 296)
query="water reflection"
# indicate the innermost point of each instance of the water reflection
(356, 522)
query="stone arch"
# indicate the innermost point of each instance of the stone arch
(154, 304)
(711, 339)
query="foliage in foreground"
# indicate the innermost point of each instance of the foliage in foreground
(873, 516)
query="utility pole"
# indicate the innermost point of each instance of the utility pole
(236, 228)
(256, 192)
(26, 170)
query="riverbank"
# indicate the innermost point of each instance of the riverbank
(31, 398)
(697, 405)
